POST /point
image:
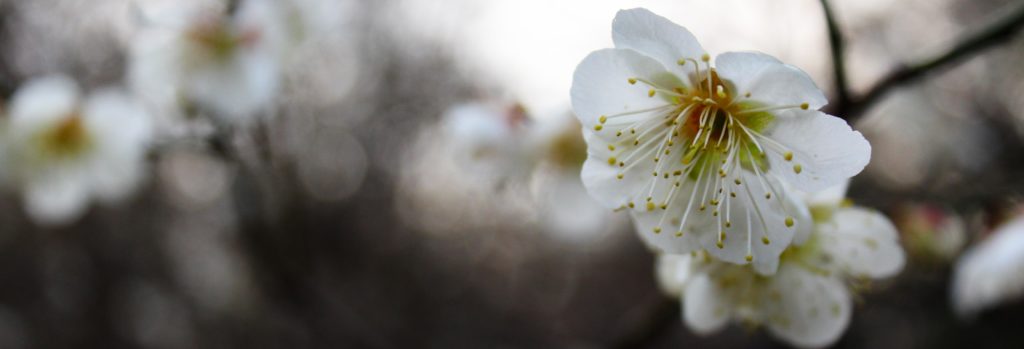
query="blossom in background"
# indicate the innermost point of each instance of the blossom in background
(930, 233)
(703, 156)
(490, 139)
(807, 302)
(61, 150)
(562, 203)
(201, 56)
(990, 272)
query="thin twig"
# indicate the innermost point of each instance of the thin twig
(836, 44)
(998, 31)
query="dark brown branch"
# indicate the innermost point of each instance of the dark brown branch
(836, 46)
(998, 31)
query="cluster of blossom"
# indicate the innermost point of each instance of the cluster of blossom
(504, 143)
(712, 162)
(61, 148)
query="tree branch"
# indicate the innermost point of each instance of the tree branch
(836, 45)
(998, 31)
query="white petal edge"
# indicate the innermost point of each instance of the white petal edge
(41, 101)
(827, 150)
(657, 37)
(768, 80)
(600, 85)
(989, 273)
(706, 308)
(673, 272)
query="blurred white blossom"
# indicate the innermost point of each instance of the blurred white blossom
(807, 303)
(990, 273)
(931, 233)
(61, 149)
(702, 156)
(490, 139)
(201, 56)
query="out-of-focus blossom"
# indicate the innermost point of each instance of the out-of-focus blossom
(201, 56)
(490, 139)
(931, 233)
(61, 149)
(563, 204)
(990, 273)
(702, 155)
(807, 302)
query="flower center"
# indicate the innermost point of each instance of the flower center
(706, 133)
(68, 138)
(219, 39)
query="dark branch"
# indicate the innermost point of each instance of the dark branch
(836, 45)
(998, 31)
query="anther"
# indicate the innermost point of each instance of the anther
(602, 119)
(650, 93)
(788, 156)
(612, 161)
(611, 147)
(764, 240)
(768, 196)
(650, 206)
(728, 224)
(620, 176)
(750, 258)
(805, 106)
(721, 92)
(657, 230)
(598, 127)
(797, 168)
(681, 61)
(789, 221)
(720, 245)
(737, 181)
(631, 205)
(705, 57)
(679, 233)
(632, 81)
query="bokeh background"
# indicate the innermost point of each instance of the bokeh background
(344, 220)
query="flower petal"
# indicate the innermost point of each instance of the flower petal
(768, 80)
(673, 272)
(657, 37)
(863, 243)
(706, 307)
(812, 311)
(600, 85)
(601, 178)
(989, 273)
(42, 101)
(58, 199)
(825, 150)
(829, 197)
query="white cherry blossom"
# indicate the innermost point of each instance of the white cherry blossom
(807, 303)
(703, 155)
(201, 56)
(60, 149)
